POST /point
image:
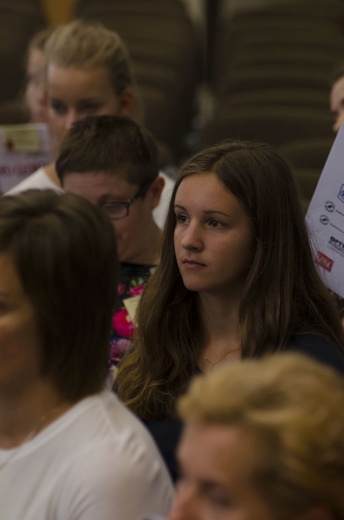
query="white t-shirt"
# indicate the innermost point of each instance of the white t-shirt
(40, 180)
(96, 462)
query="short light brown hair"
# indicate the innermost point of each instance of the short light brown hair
(295, 407)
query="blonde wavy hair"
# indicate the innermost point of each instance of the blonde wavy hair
(295, 407)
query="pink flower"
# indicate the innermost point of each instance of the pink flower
(136, 291)
(122, 324)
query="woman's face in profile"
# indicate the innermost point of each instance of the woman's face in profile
(337, 104)
(213, 238)
(20, 344)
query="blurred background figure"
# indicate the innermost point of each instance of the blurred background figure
(35, 94)
(30, 104)
(65, 440)
(263, 440)
(337, 99)
(88, 72)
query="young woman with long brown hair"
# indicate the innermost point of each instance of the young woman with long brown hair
(236, 279)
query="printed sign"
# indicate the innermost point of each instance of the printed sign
(23, 149)
(325, 218)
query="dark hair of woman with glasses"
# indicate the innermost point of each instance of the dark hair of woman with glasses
(113, 162)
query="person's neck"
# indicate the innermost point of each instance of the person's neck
(24, 414)
(50, 171)
(220, 320)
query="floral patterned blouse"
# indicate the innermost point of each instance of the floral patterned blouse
(132, 280)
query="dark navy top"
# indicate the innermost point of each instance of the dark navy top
(166, 432)
(319, 347)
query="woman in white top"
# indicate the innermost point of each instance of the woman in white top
(68, 448)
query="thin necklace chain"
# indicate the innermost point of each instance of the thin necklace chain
(35, 430)
(213, 365)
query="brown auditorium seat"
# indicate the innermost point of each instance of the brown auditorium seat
(282, 97)
(307, 180)
(308, 152)
(293, 41)
(279, 55)
(19, 21)
(308, 157)
(275, 125)
(14, 113)
(289, 33)
(272, 77)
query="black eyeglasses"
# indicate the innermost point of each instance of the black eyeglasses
(120, 209)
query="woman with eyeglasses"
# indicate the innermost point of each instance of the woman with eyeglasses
(113, 162)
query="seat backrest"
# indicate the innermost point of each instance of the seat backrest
(274, 125)
(19, 21)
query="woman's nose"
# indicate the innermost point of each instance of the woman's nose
(185, 507)
(192, 238)
(71, 118)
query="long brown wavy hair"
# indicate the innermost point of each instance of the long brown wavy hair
(282, 291)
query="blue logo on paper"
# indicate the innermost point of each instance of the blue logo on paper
(341, 193)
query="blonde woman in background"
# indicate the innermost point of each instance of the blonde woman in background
(88, 72)
(263, 440)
